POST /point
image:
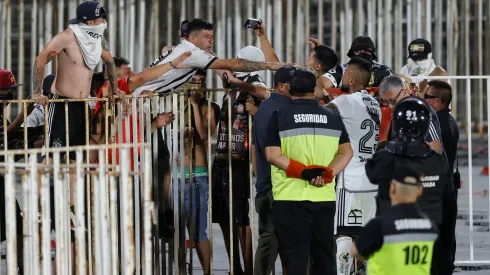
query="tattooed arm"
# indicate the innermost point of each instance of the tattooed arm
(56, 45)
(243, 65)
(110, 68)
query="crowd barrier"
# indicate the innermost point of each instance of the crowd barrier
(128, 168)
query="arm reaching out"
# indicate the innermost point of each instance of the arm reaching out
(243, 65)
(270, 54)
(153, 73)
(257, 91)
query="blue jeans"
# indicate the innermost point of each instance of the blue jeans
(200, 198)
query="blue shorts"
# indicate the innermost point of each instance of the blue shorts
(200, 198)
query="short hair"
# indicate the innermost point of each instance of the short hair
(197, 25)
(389, 83)
(326, 56)
(443, 90)
(303, 82)
(119, 61)
(201, 72)
(364, 68)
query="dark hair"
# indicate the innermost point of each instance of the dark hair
(364, 67)
(119, 61)
(201, 72)
(197, 25)
(303, 82)
(326, 56)
(443, 90)
(97, 81)
(184, 26)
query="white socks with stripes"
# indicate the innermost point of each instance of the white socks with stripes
(344, 258)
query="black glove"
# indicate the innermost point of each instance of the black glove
(311, 173)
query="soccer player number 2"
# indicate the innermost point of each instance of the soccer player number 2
(413, 254)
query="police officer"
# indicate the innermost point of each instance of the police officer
(411, 119)
(402, 240)
(307, 145)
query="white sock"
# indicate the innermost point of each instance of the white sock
(344, 259)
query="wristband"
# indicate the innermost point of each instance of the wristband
(171, 65)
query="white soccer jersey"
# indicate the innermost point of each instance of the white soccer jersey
(176, 78)
(361, 115)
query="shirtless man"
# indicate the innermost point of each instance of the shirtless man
(196, 136)
(79, 49)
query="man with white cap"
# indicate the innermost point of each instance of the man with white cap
(244, 87)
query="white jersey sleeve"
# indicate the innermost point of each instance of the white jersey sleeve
(200, 59)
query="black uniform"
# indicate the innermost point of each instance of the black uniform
(378, 73)
(408, 148)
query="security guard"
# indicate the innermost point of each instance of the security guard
(402, 240)
(307, 145)
(411, 119)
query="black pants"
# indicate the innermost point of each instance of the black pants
(268, 245)
(306, 228)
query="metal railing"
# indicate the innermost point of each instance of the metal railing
(134, 172)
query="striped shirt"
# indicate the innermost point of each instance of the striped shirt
(177, 78)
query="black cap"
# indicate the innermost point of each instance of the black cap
(87, 11)
(362, 43)
(303, 82)
(284, 75)
(419, 49)
(406, 175)
(47, 83)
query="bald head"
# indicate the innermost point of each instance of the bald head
(404, 193)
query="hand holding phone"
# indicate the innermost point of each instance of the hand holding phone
(252, 23)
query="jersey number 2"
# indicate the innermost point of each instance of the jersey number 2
(412, 254)
(371, 126)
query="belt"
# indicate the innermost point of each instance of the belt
(196, 172)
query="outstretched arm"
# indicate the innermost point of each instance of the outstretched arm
(270, 54)
(56, 45)
(259, 92)
(243, 65)
(154, 72)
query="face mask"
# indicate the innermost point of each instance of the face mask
(100, 28)
(365, 56)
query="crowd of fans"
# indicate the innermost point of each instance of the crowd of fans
(322, 168)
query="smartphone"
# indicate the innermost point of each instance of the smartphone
(226, 83)
(252, 23)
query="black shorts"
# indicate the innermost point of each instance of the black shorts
(76, 124)
(241, 192)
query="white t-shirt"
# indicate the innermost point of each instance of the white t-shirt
(36, 118)
(361, 115)
(176, 78)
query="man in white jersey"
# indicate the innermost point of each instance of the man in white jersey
(356, 203)
(199, 41)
